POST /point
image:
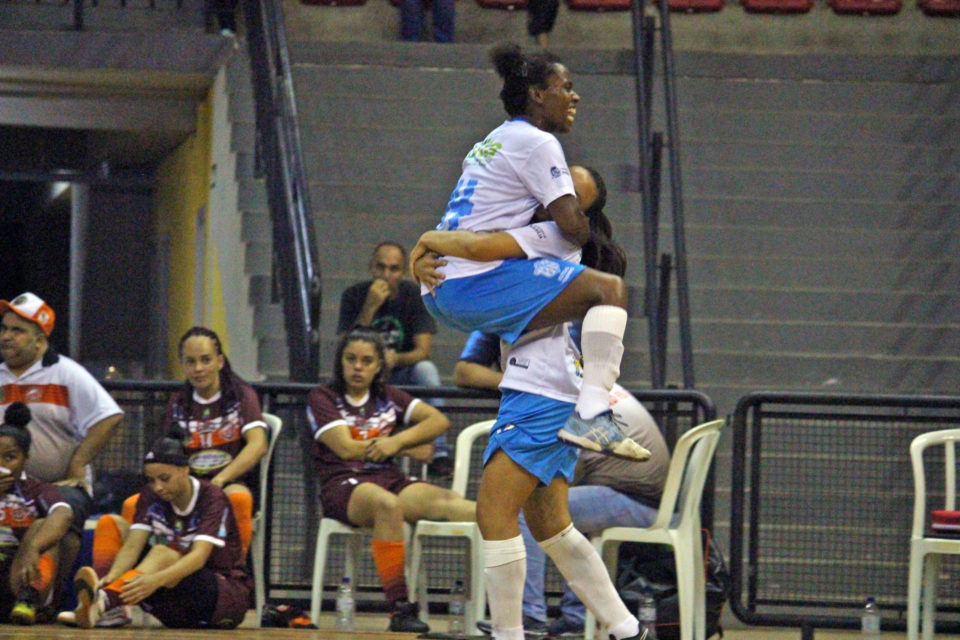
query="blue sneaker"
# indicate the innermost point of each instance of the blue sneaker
(601, 434)
(563, 628)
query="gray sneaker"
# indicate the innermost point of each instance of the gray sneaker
(563, 628)
(601, 434)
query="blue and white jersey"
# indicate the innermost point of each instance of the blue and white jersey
(515, 169)
(545, 240)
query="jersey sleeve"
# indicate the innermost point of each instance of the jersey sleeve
(250, 413)
(322, 413)
(89, 401)
(545, 240)
(214, 508)
(545, 172)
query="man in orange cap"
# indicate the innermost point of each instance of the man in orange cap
(73, 416)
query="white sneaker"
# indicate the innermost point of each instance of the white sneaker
(601, 434)
(68, 618)
(115, 617)
(92, 599)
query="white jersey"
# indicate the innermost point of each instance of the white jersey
(517, 168)
(545, 362)
(65, 401)
(545, 240)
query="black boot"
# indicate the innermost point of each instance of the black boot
(404, 618)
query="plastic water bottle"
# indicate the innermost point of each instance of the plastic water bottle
(456, 608)
(647, 613)
(870, 619)
(345, 606)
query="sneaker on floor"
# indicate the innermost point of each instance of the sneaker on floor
(68, 618)
(90, 597)
(602, 435)
(532, 628)
(640, 636)
(23, 613)
(404, 619)
(115, 617)
(563, 628)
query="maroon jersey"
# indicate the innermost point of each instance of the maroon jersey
(373, 418)
(215, 427)
(27, 501)
(208, 517)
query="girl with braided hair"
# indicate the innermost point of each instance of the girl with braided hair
(33, 518)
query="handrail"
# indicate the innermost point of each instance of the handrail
(287, 190)
(656, 300)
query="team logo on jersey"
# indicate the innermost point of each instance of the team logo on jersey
(556, 172)
(523, 363)
(32, 394)
(483, 152)
(545, 268)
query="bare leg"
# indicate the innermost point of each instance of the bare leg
(422, 501)
(589, 289)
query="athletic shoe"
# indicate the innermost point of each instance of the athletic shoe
(68, 618)
(92, 599)
(602, 435)
(404, 619)
(532, 628)
(640, 636)
(563, 628)
(23, 613)
(115, 617)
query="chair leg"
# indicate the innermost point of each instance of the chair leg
(478, 590)
(319, 565)
(931, 570)
(256, 556)
(686, 591)
(914, 586)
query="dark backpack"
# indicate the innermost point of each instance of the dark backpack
(651, 566)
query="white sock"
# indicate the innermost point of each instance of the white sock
(505, 567)
(587, 576)
(601, 342)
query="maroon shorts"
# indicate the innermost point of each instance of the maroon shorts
(335, 493)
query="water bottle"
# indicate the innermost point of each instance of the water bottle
(870, 619)
(647, 613)
(456, 608)
(345, 606)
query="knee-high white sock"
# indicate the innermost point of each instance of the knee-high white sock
(583, 568)
(505, 567)
(601, 342)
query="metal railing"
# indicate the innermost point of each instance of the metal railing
(658, 267)
(292, 510)
(821, 507)
(279, 154)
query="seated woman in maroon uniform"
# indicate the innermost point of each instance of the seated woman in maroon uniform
(33, 518)
(360, 425)
(182, 560)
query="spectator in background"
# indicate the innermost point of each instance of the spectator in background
(73, 417)
(391, 305)
(411, 19)
(541, 16)
(360, 425)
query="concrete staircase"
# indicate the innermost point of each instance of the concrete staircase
(820, 196)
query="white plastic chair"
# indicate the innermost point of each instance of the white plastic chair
(259, 526)
(477, 600)
(925, 550)
(330, 527)
(682, 493)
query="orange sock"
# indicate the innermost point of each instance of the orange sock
(242, 503)
(388, 555)
(129, 508)
(113, 589)
(107, 541)
(48, 568)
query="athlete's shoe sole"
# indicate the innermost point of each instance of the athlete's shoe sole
(601, 434)
(85, 586)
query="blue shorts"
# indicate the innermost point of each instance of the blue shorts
(504, 300)
(526, 430)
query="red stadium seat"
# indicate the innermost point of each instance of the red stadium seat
(777, 6)
(695, 6)
(866, 7)
(940, 7)
(599, 5)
